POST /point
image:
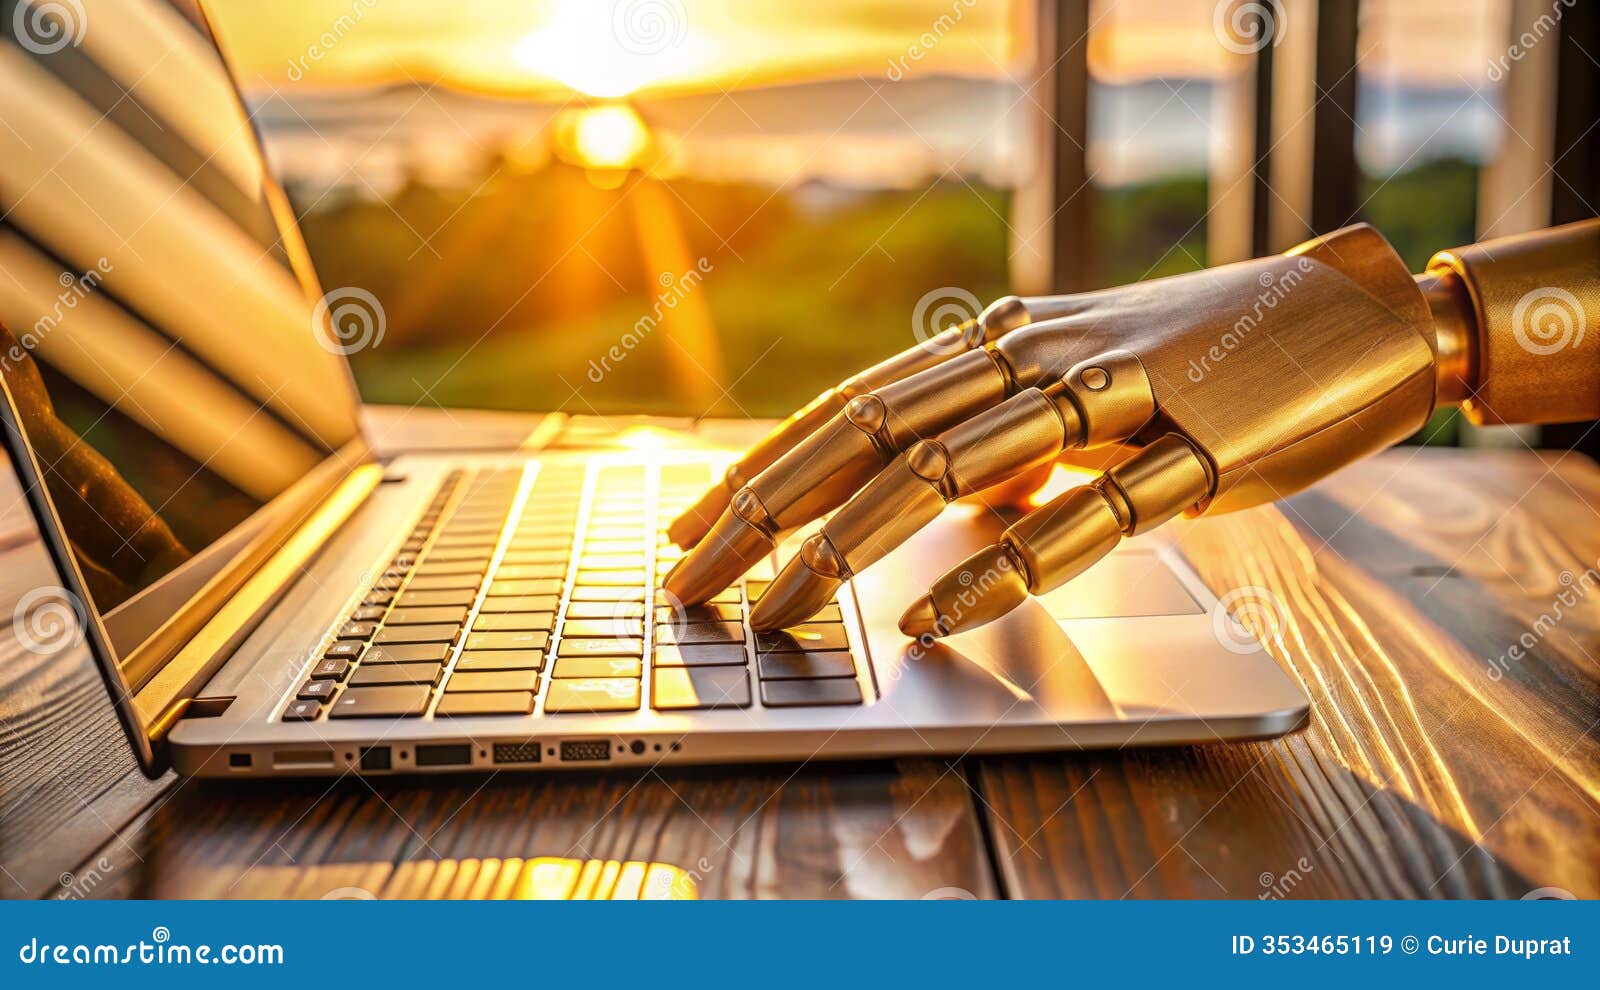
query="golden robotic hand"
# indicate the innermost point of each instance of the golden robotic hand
(1236, 385)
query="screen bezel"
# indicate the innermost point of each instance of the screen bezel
(131, 679)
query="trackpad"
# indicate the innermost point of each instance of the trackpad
(1125, 584)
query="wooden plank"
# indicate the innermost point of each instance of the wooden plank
(1426, 772)
(869, 830)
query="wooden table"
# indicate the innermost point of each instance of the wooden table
(1437, 764)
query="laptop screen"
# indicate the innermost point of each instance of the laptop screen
(166, 354)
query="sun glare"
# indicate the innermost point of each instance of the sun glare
(609, 137)
(587, 49)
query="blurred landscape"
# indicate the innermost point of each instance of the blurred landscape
(738, 245)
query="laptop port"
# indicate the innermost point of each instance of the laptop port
(445, 755)
(302, 759)
(239, 761)
(375, 758)
(585, 751)
(517, 752)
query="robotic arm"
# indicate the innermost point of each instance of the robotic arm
(1236, 385)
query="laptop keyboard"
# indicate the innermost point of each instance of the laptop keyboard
(550, 606)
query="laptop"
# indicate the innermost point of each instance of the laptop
(266, 597)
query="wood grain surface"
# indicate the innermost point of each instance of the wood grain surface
(1437, 764)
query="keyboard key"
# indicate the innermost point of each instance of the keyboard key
(600, 547)
(407, 653)
(611, 579)
(446, 614)
(346, 650)
(378, 597)
(755, 589)
(611, 562)
(547, 586)
(442, 633)
(317, 690)
(797, 666)
(598, 694)
(530, 572)
(368, 613)
(699, 613)
(492, 680)
(605, 610)
(603, 629)
(473, 553)
(496, 703)
(597, 667)
(514, 621)
(601, 648)
(396, 701)
(807, 636)
(442, 568)
(333, 668)
(685, 688)
(446, 582)
(521, 603)
(797, 694)
(532, 640)
(396, 673)
(518, 555)
(432, 599)
(357, 630)
(301, 710)
(592, 593)
(707, 655)
(500, 660)
(688, 633)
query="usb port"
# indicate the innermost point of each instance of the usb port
(585, 751)
(447, 755)
(517, 752)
